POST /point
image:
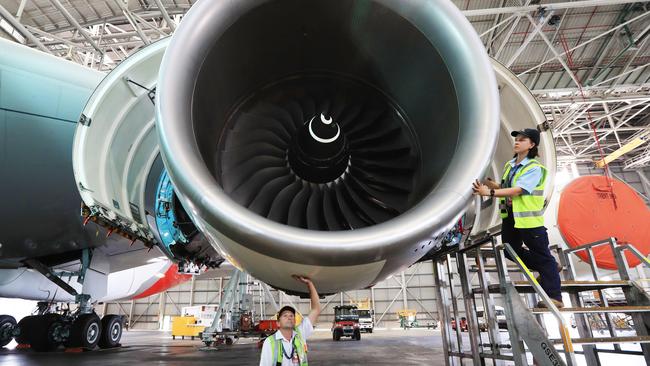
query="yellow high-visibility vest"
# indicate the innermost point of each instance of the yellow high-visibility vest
(527, 209)
(299, 345)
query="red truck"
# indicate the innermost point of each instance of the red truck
(346, 323)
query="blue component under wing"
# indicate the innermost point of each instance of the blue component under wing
(168, 229)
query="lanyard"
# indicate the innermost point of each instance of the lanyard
(293, 349)
(508, 182)
(512, 173)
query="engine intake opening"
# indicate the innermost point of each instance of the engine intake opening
(370, 70)
(358, 171)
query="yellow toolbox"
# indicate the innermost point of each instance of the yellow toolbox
(185, 326)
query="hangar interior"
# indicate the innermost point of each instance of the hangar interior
(587, 64)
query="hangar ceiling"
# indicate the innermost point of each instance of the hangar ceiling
(586, 61)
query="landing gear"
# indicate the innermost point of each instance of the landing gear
(25, 329)
(7, 326)
(42, 333)
(46, 332)
(85, 331)
(81, 328)
(112, 326)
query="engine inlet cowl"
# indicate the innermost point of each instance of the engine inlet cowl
(336, 140)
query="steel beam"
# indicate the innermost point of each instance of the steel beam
(610, 120)
(4, 13)
(57, 4)
(405, 301)
(496, 24)
(614, 29)
(510, 31)
(134, 24)
(146, 23)
(604, 48)
(557, 56)
(60, 40)
(182, 9)
(619, 110)
(555, 34)
(21, 8)
(111, 36)
(443, 310)
(640, 47)
(590, 132)
(161, 310)
(552, 6)
(165, 15)
(570, 100)
(537, 29)
(598, 139)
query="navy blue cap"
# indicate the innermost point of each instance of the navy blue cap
(286, 308)
(531, 133)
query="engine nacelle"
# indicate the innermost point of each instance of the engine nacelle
(336, 140)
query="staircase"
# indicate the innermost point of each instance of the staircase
(466, 275)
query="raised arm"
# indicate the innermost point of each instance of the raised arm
(313, 296)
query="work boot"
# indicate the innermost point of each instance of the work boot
(558, 304)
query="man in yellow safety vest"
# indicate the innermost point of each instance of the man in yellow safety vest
(288, 346)
(521, 202)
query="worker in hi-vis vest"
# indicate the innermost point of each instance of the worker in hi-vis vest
(288, 346)
(521, 202)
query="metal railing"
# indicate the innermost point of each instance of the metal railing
(524, 322)
(539, 291)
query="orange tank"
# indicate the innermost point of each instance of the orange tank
(590, 211)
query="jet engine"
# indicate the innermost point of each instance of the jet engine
(336, 140)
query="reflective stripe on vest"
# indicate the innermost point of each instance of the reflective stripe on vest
(299, 344)
(527, 209)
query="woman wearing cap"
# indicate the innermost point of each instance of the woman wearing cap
(521, 201)
(288, 346)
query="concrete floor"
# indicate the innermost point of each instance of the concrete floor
(384, 347)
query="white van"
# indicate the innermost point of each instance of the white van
(366, 323)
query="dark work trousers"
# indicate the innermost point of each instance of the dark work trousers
(537, 257)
